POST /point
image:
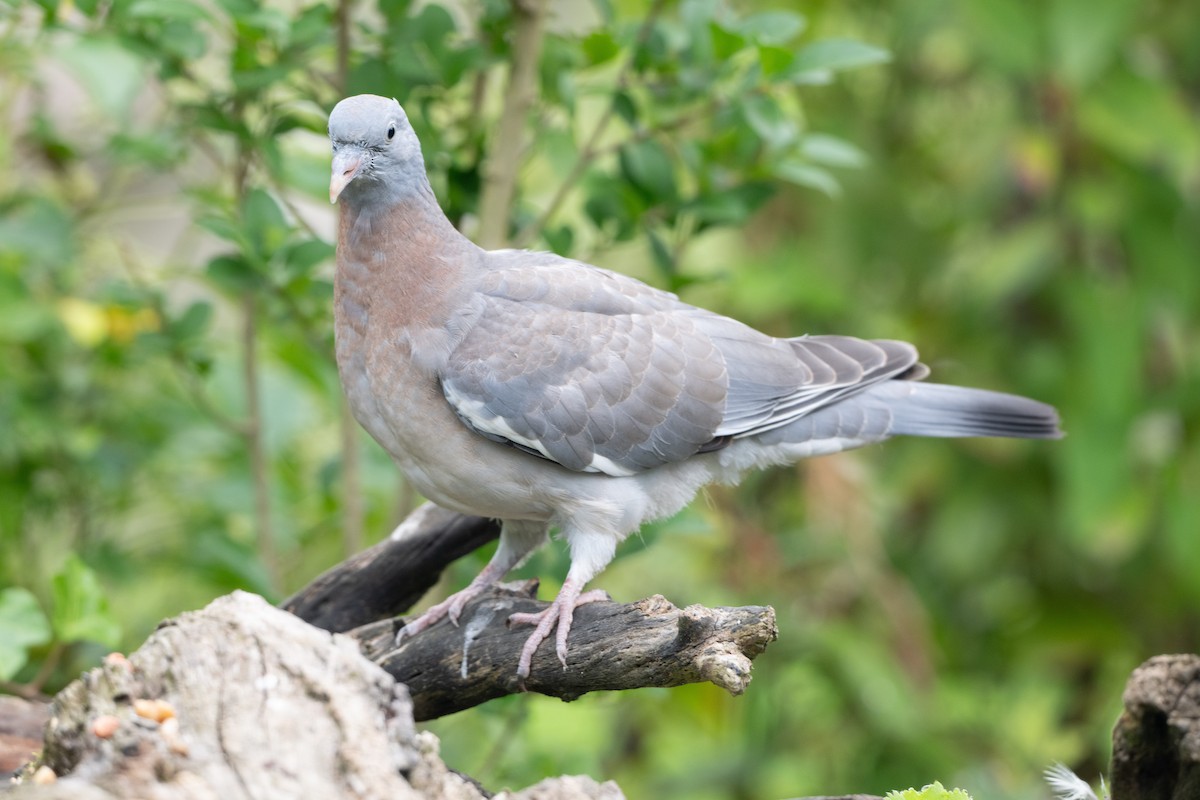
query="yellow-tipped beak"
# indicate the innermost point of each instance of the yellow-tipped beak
(345, 168)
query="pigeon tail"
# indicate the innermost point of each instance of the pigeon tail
(933, 409)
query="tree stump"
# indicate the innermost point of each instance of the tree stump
(1156, 743)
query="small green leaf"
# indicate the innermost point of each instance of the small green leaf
(664, 259)
(193, 321)
(625, 107)
(599, 47)
(113, 74)
(648, 166)
(821, 148)
(772, 27)
(768, 120)
(835, 54)
(303, 256)
(23, 624)
(266, 228)
(166, 9)
(775, 61)
(232, 273)
(807, 175)
(729, 206)
(725, 42)
(80, 608)
(560, 239)
(222, 227)
(934, 791)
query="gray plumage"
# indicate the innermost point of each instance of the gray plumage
(548, 392)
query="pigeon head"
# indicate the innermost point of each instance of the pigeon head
(376, 155)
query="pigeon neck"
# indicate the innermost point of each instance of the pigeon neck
(403, 259)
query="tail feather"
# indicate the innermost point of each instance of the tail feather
(932, 409)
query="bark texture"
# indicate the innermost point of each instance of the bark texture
(389, 578)
(1156, 743)
(612, 646)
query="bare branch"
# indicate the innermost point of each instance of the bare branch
(613, 647)
(390, 577)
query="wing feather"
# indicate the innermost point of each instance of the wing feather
(602, 373)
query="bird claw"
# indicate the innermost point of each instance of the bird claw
(450, 608)
(561, 611)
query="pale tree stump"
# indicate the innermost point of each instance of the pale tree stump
(243, 700)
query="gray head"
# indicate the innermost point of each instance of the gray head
(376, 155)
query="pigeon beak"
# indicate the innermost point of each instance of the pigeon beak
(345, 167)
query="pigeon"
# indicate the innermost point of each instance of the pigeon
(552, 394)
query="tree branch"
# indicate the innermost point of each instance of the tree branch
(648, 643)
(387, 579)
(612, 647)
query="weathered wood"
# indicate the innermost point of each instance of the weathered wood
(612, 646)
(242, 700)
(1156, 742)
(21, 724)
(387, 579)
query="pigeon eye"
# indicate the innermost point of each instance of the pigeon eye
(391, 131)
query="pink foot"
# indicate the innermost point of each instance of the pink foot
(451, 607)
(562, 611)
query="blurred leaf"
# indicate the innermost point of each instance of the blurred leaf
(167, 9)
(725, 42)
(599, 47)
(232, 273)
(1086, 35)
(807, 175)
(1009, 32)
(776, 128)
(23, 624)
(837, 54)
(772, 27)
(647, 166)
(302, 256)
(264, 222)
(1165, 133)
(729, 206)
(193, 321)
(1005, 263)
(560, 239)
(36, 232)
(21, 318)
(81, 610)
(112, 74)
(821, 148)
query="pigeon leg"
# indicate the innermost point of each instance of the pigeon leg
(562, 611)
(517, 541)
(590, 554)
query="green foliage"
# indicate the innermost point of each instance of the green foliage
(22, 625)
(934, 791)
(1015, 189)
